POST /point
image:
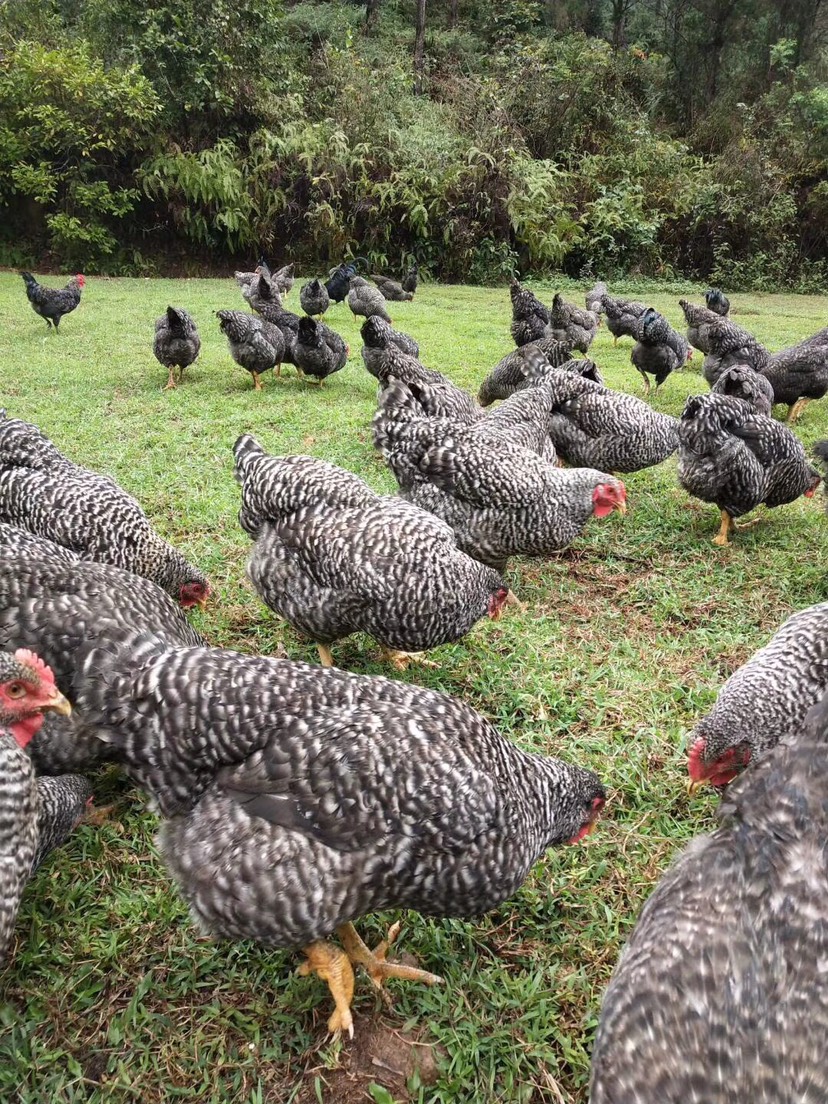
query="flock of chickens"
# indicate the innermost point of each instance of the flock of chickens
(295, 799)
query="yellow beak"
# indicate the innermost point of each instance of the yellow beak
(621, 507)
(57, 704)
(694, 787)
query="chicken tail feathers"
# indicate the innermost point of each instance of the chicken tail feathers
(244, 450)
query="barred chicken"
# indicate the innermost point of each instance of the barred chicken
(53, 303)
(443, 398)
(366, 300)
(530, 318)
(595, 427)
(16, 541)
(313, 298)
(318, 351)
(334, 558)
(254, 343)
(717, 301)
(263, 295)
(765, 701)
(659, 349)
(522, 367)
(738, 459)
(720, 994)
(27, 691)
(89, 514)
(742, 382)
(729, 344)
(572, 326)
(593, 298)
(176, 344)
(245, 279)
(392, 291)
(377, 335)
(411, 278)
(622, 316)
(699, 320)
(283, 278)
(296, 800)
(799, 374)
(61, 805)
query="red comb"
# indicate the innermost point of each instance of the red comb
(23, 655)
(695, 765)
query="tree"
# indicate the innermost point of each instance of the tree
(419, 47)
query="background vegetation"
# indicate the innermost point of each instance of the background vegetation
(111, 997)
(658, 137)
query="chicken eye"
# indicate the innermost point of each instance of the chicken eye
(16, 690)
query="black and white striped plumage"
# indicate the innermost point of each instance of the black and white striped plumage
(593, 298)
(440, 397)
(53, 303)
(176, 343)
(367, 300)
(295, 798)
(61, 804)
(15, 541)
(699, 320)
(742, 382)
(313, 298)
(333, 558)
(593, 426)
(729, 344)
(392, 291)
(377, 335)
(49, 495)
(721, 995)
(738, 459)
(572, 326)
(659, 349)
(254, 344)
(522, 366)
(765, 701)
(530, 318)
(318, 350)
(799, 372)
(622, 316)
(411, 278)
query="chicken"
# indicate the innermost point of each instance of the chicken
(53, 607)
(659, 349)
(245, 279)
(17, 541)
(263, 295)
(764, 702)
(254, 344)
(799, 374)
(411, 278)
(318, 351)
(283, 279)
(392, 291)
(522, 367)
(87, 513)
(717, 301)
(699, 320)
(729, 344)
(339, 281)
(530, 318)
(177, 343)
(521, 419)
(738, 459)
(366, 300)
(622, 316)
(720, 995)
(333, 558)
(313, 298)
(593, 426)
(27, 691)
(501, 500)
(52, 303)
(339, 791)
(377, 335)
(61, 805)
(593, 298)
(742, 382)
(443, 399)
(572, 326)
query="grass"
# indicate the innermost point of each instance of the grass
(110, 994)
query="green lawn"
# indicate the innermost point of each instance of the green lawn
(111, 995)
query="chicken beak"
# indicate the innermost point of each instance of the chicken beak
(693, 787)
(621, 506)
(57, 704)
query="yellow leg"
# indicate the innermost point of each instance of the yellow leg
(325, 655)
(749, 524)
(277, 371)
(375, 962)
(332, 965)
(646, 386)
(257, 383)
(614, 341)
(795, 411)
(170, 384)
(402, 660)
(723, 536)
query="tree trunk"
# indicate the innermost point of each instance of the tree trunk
(371, 16)
(419, 47)
(452, 14)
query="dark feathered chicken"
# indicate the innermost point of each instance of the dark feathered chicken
(318, 351)
(52, 303)
(443, 399)
(799, 374)
(313, 298)
(254, 343)
(86, 512)
(765, 701)
(659, 349)
(52, 608)
(283, 278)
(245, 279)
(738, 459)
(594, 296)
(177, 343)
(15, 541)
(699, 320)
(296, 800)
(593, 426)
(729, 344)
(572, 326)
(530, 318)
(742, 382)
(717, 301)
(377, 335)
(333, 558)
(523, 367)
(411, 278)
(720, 995)
(263, 295)
(27, 690)
(339, 281)
(61, 805)
(391, 290)
(364, 299)
(622, 316)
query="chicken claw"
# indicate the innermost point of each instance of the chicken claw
(402, 660)
(375, 962)
(332, 965)
(728, 525)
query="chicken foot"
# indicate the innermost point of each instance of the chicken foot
(795, 411)
(331, 964)
(170, 384)
(403, 660)
(728, 525)
(375, 962)
(325, 655)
